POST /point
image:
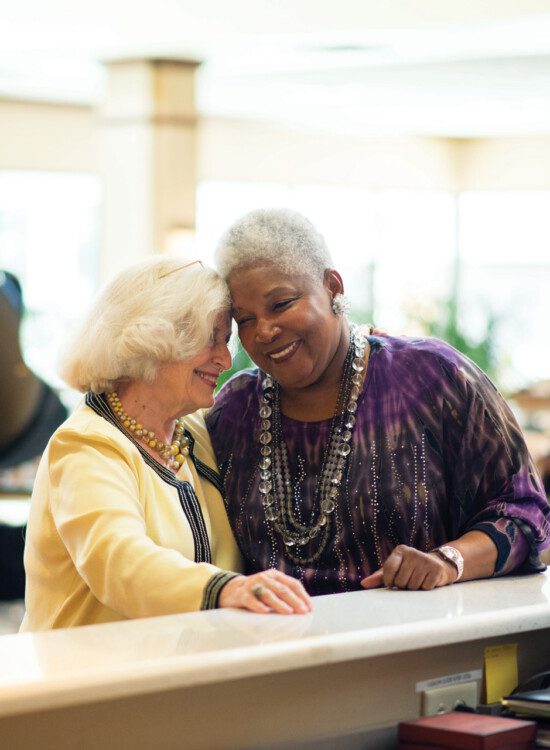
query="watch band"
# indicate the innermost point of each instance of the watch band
(452, 555)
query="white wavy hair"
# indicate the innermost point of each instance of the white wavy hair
(157, 311)
(274, 236)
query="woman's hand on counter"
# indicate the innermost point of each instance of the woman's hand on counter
(408, 568)
(269, 591)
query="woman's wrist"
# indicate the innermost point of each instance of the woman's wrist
(453, 557)
(214, 588)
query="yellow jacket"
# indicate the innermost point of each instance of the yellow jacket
(112, 534)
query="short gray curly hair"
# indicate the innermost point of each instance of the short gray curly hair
(157, 311)
(273, 236)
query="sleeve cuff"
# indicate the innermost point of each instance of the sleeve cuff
(516, 551)
(501, 541)
(213, 588)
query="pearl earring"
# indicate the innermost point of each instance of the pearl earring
(340, 304)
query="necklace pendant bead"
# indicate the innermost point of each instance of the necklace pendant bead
(265, 424)
(265, 412)
(265, 487)
(358, 365)
(265, 463)
(350, 422)
(352, 407)
(344, 449)
(271, 514)
(328, 506)
(265, 450)
(265, 438)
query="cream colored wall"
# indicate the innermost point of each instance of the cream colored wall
(233, 150)
(503, 164)
(55, 137)
(48, 137)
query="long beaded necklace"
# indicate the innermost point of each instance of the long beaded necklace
(276, 489)
(173, 454)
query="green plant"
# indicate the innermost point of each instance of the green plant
(445, 325)
(241, 361)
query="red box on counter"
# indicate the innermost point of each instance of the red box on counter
(464, 731)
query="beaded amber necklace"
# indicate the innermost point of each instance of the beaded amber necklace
(173, 454)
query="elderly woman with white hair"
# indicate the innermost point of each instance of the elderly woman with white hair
(127, 518)
(352, 460)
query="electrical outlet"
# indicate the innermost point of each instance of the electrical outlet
(443, 699)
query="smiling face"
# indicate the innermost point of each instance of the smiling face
(286, 324)
(191, 383)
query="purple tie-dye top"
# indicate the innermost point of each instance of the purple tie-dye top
(436, 452)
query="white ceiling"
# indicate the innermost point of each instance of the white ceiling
(430, 67)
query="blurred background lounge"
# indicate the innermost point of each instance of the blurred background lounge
(414, 133)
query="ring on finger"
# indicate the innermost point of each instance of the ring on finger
(257, 590)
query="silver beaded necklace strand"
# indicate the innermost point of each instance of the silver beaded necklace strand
(275, 483)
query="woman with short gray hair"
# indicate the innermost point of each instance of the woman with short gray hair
(127, 518)
(354, 461)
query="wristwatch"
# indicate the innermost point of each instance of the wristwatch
(452, 555)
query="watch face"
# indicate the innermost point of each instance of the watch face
(453, 556)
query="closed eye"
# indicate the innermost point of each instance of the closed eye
(283, 303)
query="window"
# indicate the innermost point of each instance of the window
(49, 239)
(505, 251)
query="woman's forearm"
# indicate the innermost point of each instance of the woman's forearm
(479, 553)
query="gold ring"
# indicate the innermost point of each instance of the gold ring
(257, 590)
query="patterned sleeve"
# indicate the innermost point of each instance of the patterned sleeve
(493, 475)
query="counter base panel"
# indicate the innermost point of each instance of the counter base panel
(344, 705)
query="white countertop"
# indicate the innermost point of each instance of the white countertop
(68, 667)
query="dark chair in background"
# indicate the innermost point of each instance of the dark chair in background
(30, 412)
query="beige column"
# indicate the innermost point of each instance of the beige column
(148, 142)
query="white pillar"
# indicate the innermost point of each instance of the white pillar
(148, 159)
